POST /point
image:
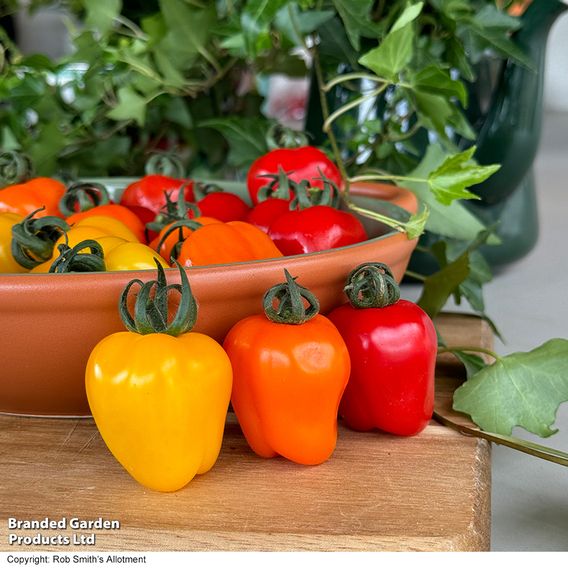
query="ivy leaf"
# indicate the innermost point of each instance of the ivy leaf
(416, 224)
(188, 32)
(441, 285)
(434, 80)
(434, 111)
(472, 363)
(255, 22)
(458, 59)
(393, 54)
(521, 389)
(453, 220)
(131, 106)
(496, 39)
(101, 15)
(335, 46)
(396, 50)
(450, 180)
(355, 17)
(409, 15)
(246, 137)
(289, 20)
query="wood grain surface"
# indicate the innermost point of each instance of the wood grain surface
(376, 493)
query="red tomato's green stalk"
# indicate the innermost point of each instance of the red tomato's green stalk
(372, 285)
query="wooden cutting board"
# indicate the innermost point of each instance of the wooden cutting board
(378, 492)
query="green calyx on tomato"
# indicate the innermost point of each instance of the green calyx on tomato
(75, 259)
(313, 221)
(284, 303)
(372, 285)
(83, 196)
(151, 306)
(304, 163)
(15, 167)
(33, 240)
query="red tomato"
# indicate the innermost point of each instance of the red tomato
(146, 196)
(304, 163)
(264, 213)
(223, 206)
(314, 229)
(393, 356)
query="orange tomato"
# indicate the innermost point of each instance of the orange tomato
(222, 243)
(24, 198)
(289, 374)
(174, 237)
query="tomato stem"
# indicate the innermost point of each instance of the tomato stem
(33, 239)
(289, 299)
(151, 307)
(372, 285)
(164, 163)
(83, 196)
(15, 167)
(178, 226)
(76, 260)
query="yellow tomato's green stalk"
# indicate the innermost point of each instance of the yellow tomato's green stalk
(33, 239)
(77, 260)
(151, 308)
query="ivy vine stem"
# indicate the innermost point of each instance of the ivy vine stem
(470, 349)
(352, 77)
(530, 448)
(325, 112)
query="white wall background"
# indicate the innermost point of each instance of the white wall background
(556, 76)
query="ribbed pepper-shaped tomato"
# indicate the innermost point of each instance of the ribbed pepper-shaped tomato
(223, 243)
(393, 346)
(38, 193)
(159, 393)
(288, 377)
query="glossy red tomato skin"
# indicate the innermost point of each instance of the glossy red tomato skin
(304, 163)
(393, 353)
(223, 206)
(264, 213)
(315, 229)
(146, 196)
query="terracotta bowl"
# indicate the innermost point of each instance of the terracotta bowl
(51, 322)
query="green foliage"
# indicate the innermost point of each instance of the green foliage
(521, 389)
(132, 65)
